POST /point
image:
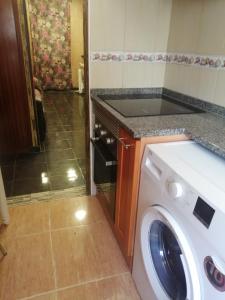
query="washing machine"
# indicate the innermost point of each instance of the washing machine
(179, 248)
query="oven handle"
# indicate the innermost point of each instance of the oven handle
(126, 146)
(120, 140)
(107, 162)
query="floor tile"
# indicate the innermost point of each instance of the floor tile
(49, 296)
(28, 219)
(71, 118)
(29, 186)
(27, 269)
(22, 174)
(26, 170)
(79, 152)
(68, 114)
(78, 135)
(69, 134)
(63, 167)
(74, 126)
(62, 108)
(8, 172)
(48, 100)
(8, 185)
(5, 160)
(32, 158)
(55, 128)
(53, 118)
(74, 212)
(82, 164)
(120, 287)
(59, 155)
(56, 144)
(53, 123)
(77, 141)
(49, 108)
(57, 135)
(86, 253)
(67, 181)
(51, 115)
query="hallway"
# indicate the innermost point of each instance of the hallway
(61, 162)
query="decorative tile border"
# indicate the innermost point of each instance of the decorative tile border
(210, 61)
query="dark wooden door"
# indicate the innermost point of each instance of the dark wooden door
(15, 116)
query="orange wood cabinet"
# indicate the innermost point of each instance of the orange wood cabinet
(130, 153)
(126, 193)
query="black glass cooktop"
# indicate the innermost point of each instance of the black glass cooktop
(139, 107)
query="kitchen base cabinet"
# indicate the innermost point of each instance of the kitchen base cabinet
(130, 153)
(126, 192)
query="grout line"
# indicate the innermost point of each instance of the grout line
(78, 226)
(52, 252)
(76, 285)
(101, 220)
(55, 230)
(10, 236)
(80, 169)
(92, 281)
(38, 295)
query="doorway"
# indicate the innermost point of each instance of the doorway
(58, 44)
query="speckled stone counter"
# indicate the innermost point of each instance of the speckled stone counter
(207, 129)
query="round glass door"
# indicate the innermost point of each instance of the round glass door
(166, 257)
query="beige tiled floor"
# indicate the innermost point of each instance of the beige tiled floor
(28, 219)
(62, 250)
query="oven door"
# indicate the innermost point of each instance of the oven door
(105, 168)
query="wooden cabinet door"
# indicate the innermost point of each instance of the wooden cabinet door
(127, 192)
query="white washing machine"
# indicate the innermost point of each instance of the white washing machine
(180, 233)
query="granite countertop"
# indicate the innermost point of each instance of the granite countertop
(207, 129)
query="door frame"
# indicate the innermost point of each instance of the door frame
(87, 92)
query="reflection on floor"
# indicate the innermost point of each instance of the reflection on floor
(62, 250)
(61, 164)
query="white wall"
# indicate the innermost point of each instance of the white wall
(77, 39)
(197, 26)
(174, 26)
(128, 26)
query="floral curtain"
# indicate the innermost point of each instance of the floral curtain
(50, 34)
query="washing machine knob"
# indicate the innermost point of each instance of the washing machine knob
(175, 189)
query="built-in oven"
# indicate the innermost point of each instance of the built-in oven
(105, 165)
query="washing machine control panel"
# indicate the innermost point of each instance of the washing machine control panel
(203, 212)
(175, 189)
(178, 190)
(187, 200)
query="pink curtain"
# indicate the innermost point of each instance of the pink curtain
(50, 32)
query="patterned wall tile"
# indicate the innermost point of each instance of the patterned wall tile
(212, 61)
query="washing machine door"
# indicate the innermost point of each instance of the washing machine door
(168, 258)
